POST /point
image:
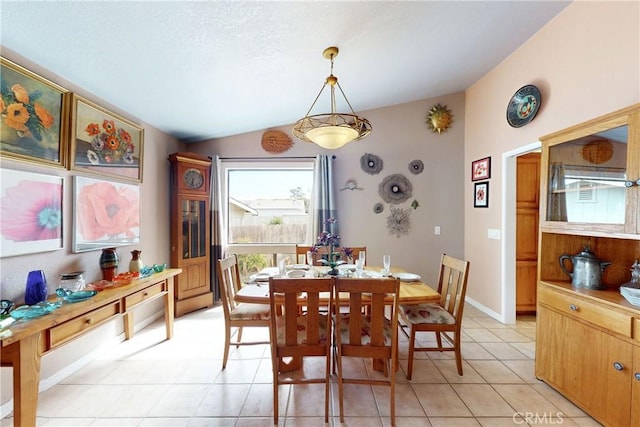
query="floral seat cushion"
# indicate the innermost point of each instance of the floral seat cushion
(343, 325)
(426, 313)
(302, 329)
(250, 312)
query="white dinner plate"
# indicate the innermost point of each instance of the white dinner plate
(296, 273)
(260, 277)
(370, 273)
(299, 267)
(351, 267)
(407, 277)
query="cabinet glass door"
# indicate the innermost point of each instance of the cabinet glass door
(586, 179)
(193, 229)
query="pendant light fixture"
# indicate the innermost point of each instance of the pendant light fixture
(331, 130)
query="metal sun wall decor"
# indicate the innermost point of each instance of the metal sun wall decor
(439, 118)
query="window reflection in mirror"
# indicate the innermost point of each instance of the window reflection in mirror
(586, 179)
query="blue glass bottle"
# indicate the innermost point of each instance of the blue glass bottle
(37, 289)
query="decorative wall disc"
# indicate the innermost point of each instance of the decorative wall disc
(370, 163)
(378, 208)
(398, 221)
(276, 141)
(416, 167)
(598, 151)
(395, 189)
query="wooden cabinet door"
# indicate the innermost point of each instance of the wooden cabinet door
(527, 204)
(635, 388)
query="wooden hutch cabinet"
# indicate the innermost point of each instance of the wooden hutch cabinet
(190, 231)
(588, 340)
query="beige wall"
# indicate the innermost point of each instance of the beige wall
(586, 63)
(400, 135)
(154, 234)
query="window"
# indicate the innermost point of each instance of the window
(267, 209)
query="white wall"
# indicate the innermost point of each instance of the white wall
(586, 62)
(154, 231)
(400, 135)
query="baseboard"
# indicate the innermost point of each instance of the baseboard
(486, 310)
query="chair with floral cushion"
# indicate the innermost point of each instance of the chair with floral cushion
(296, 334)
(370, 335)
(443, 317)
(237, 315)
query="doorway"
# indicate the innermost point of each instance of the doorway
(509, 229)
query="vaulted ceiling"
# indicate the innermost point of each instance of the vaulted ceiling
(203, 69)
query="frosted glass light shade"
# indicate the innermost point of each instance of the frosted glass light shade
(332, 137)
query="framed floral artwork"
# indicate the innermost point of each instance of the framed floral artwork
(481, 169)
(30, 212)
(34, 115)
(105, 143)
(105, 214)
(481, 195)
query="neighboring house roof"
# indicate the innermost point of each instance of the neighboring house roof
(243, 206)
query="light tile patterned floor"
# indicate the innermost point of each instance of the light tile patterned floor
(149, 381)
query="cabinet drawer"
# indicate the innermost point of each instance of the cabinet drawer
(143, 295)
(588, 311)
(68, 330)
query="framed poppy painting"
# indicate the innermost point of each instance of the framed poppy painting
(33, 116)
(104, 143)
(481, 169)
(105, 214)
(30, 212)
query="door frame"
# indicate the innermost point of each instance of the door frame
(508, 244)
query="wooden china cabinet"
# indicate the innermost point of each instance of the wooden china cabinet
(588, 340)
(190, 231)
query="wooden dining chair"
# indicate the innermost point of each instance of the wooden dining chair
(298, 334)
(371, 335)
(348, 254)
(443, 317)
(237, 315)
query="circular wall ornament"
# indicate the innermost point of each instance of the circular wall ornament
(523, 106)
(276, 141)
(416, 167)
(439, 118)
(395, 189)
(598, 151)
(378, 208)
(370, 163)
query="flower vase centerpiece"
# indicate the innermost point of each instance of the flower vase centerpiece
(330, 241)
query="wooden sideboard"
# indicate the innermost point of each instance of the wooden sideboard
(31, 339)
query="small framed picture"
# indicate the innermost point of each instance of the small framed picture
(481, 195)
(481, 169)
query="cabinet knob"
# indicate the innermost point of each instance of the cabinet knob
(573, 307)
(88, 321)
(630, 184)
(637, 376)
(618, 366)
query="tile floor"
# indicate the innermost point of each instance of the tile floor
(149, 381)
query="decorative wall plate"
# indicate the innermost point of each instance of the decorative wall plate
(276, 141)
(523, 106)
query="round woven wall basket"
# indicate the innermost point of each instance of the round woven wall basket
(598, 151)
(276, 142)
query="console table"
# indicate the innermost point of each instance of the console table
(31, 339)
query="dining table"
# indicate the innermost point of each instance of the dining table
(412, 289)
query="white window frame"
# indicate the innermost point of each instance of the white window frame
(256, 164)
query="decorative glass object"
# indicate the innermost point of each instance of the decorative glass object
(136, 264)
(37, 289)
